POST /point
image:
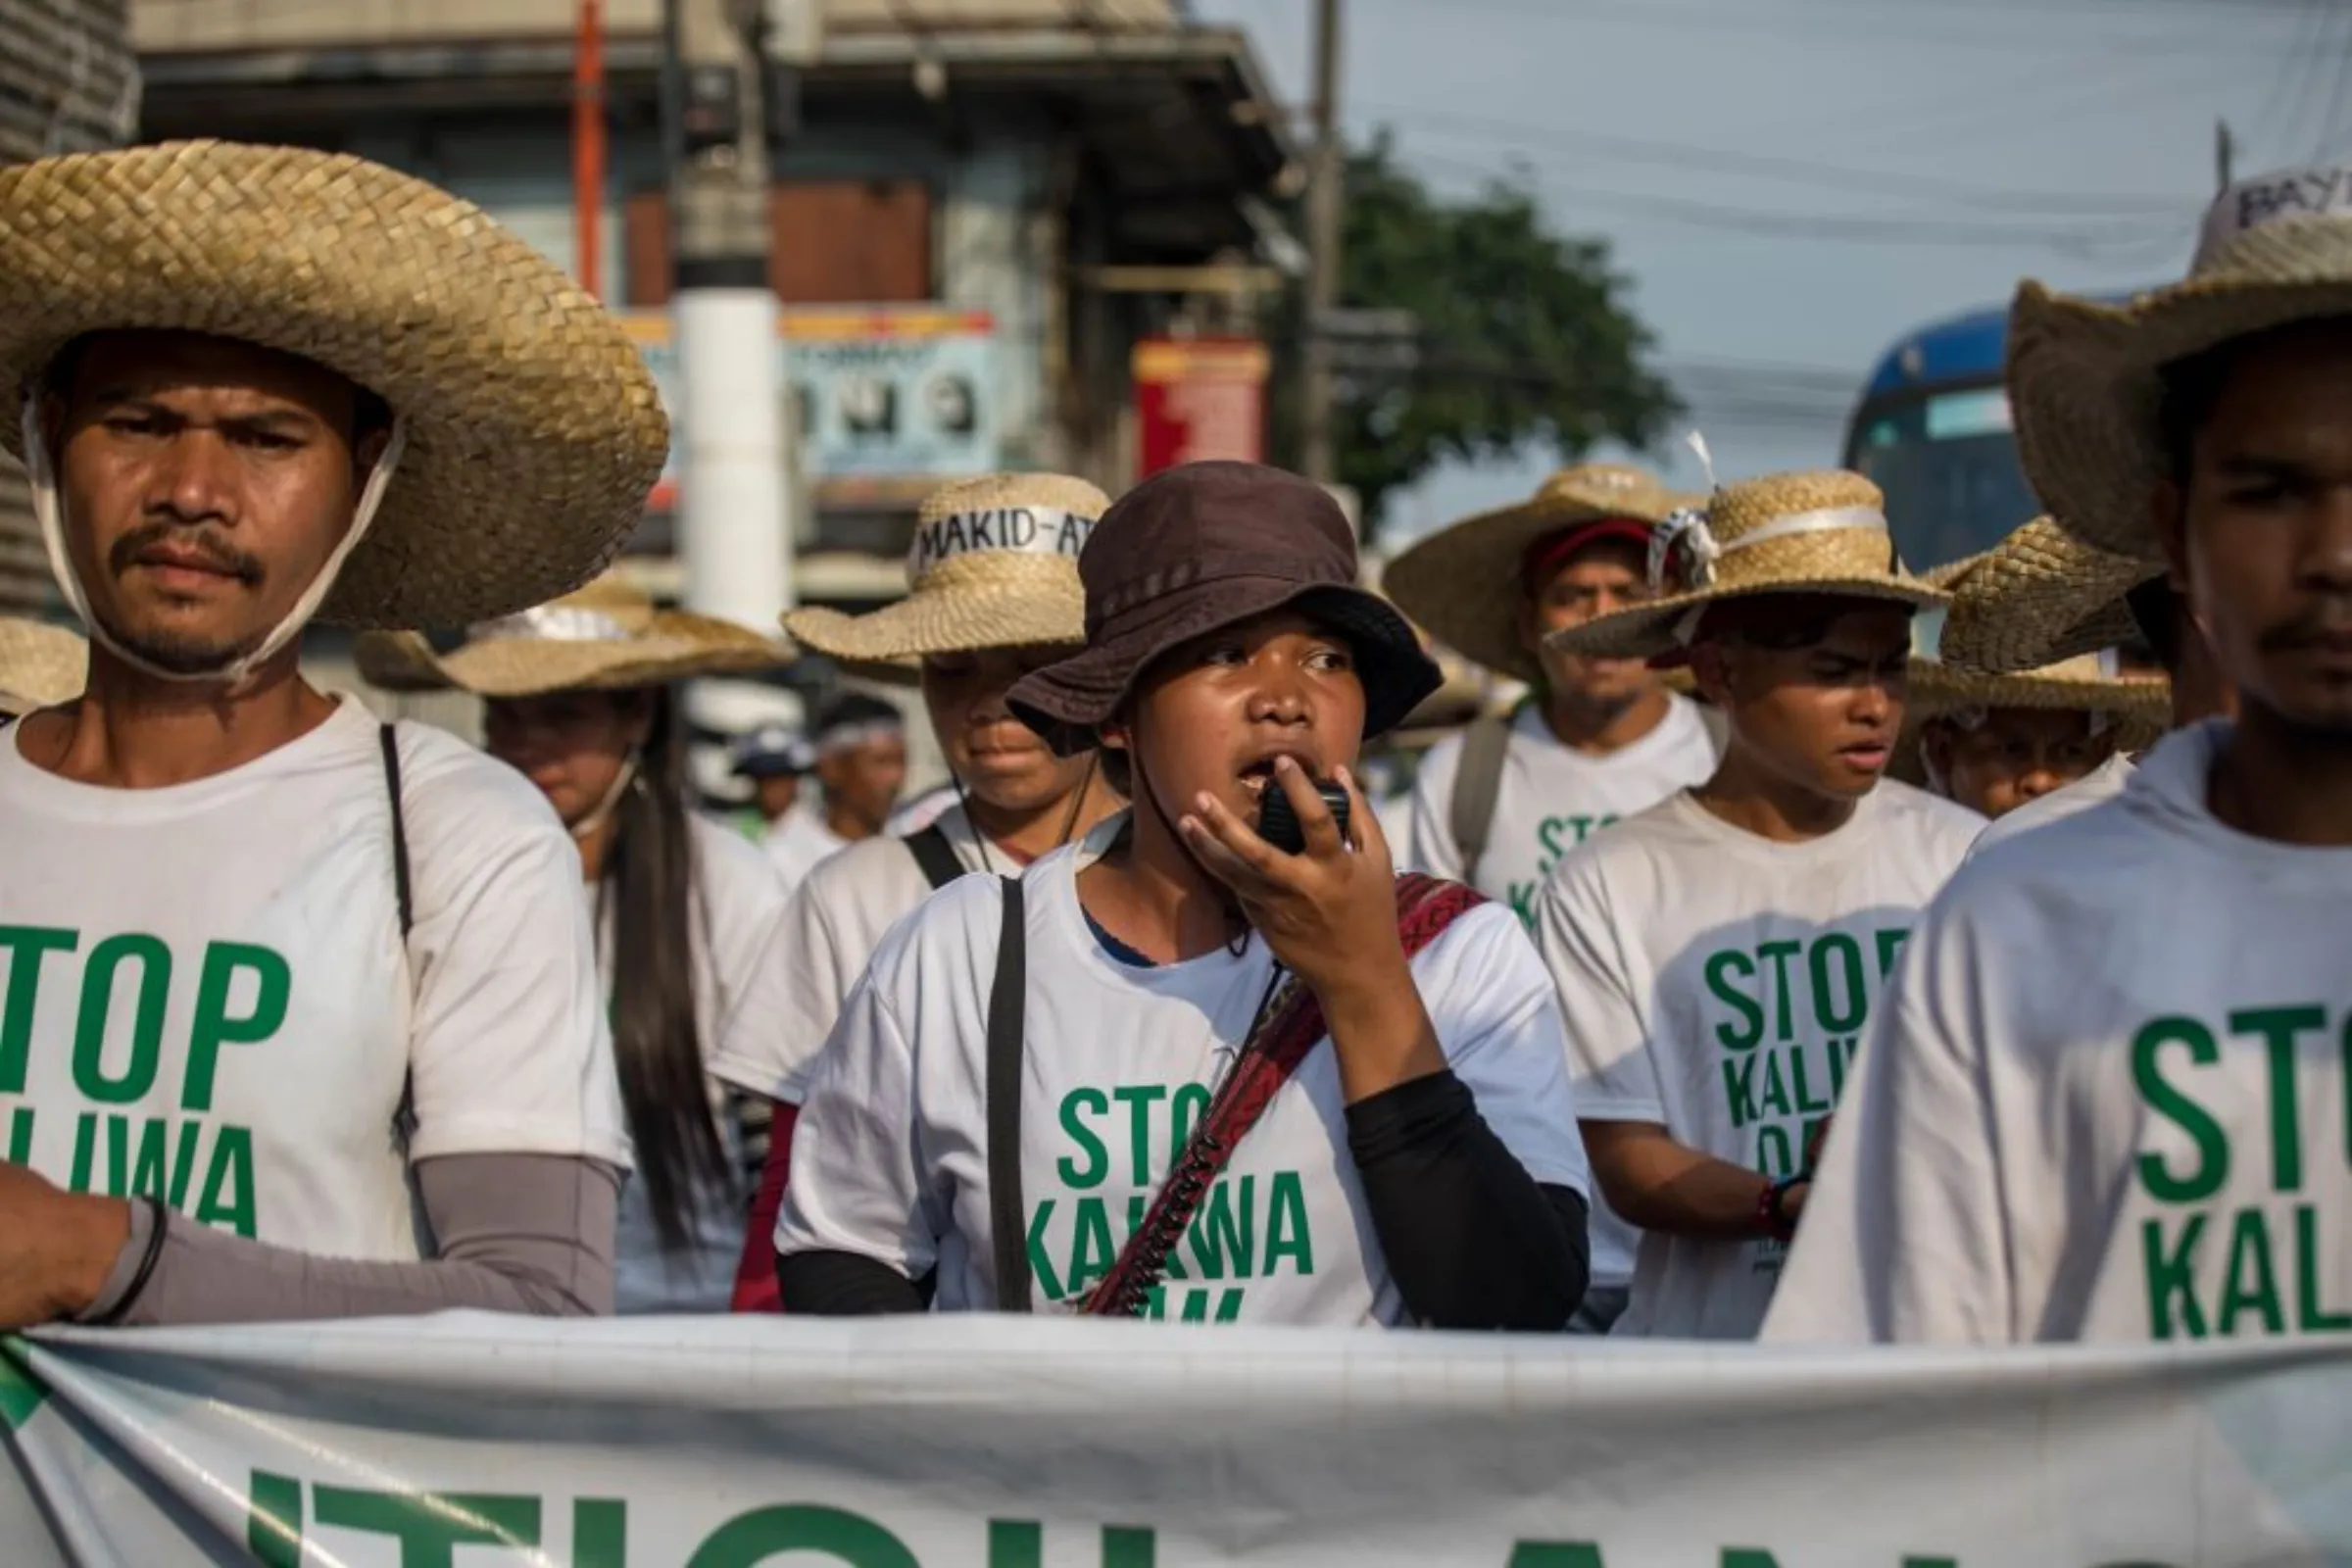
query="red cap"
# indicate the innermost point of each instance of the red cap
(1550, 553)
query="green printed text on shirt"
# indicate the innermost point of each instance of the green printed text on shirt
(2248, 1233)
(1113, 1147)
(1787, 1019)
(103, 1089)
(1555, 836)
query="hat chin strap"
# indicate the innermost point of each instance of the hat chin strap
(587, 827)
(48, 510)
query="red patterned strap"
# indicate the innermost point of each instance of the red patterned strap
(1287, 1031)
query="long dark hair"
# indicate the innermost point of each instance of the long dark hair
(650, 892)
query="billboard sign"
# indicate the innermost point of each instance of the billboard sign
(878, 392)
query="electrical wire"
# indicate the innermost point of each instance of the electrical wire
(1852, 30)
(2078, 239)
(1640, 150)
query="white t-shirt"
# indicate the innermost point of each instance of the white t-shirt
(890, 1159)
(1717, 983)
(798, 842)
(216, 1009)
(2106, 1099)
(1552, 799)
(830, 929)
(924, 811)
(1396, 815)
(741, 987)
(2098, 787)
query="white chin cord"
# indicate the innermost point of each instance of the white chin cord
(588, 826)
(49, 511)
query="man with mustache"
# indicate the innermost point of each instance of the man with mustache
(2107, 1097)
(302, 1017)
(1717, 955)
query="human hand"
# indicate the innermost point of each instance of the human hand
(1329, 913)
(56, 1248)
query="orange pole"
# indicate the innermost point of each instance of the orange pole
(588, 146)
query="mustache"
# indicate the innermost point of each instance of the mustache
(216, 553)
(2327, 619)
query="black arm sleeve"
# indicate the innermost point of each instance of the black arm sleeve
(1473, 1240)
(845, 1284)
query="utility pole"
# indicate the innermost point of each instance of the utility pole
(588, 147)
(1325, 204)
(736, 526)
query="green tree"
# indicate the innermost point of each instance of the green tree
(1526, 335)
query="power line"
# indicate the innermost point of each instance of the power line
(2284, 100)
(1887, 228)
(1641, 150)
(1852, 30)
(2327, 144)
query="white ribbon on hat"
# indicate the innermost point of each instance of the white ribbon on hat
(1688, 543)
(48, 510)
(552, 623)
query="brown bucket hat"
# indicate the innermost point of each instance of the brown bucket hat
(1206, 545)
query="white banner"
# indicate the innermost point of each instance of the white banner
(467, 1442)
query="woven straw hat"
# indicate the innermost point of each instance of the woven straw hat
(1464, 583)
(606, 637)
(2083, 378)
(2039, 596)
(1811, 532)
(533, 428)
(2083, 684)
(994, 565)
(40, 665)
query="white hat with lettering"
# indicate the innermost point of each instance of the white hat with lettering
(994, 565)
(41, 665)
(2085, 379)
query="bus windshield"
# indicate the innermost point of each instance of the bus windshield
(1948, 467)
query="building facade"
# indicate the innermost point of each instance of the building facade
(67, 83)
(983, 205)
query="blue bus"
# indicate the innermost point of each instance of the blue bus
(1933, 432)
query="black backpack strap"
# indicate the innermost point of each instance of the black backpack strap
(934, 855)
(1477, 785)
(390, 741)
(1007, 1001)
(404, 1118)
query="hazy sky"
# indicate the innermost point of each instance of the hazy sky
(1793, 184)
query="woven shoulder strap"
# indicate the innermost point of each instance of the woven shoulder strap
(935, 855)
(1477, 785)
(1286, 1032)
